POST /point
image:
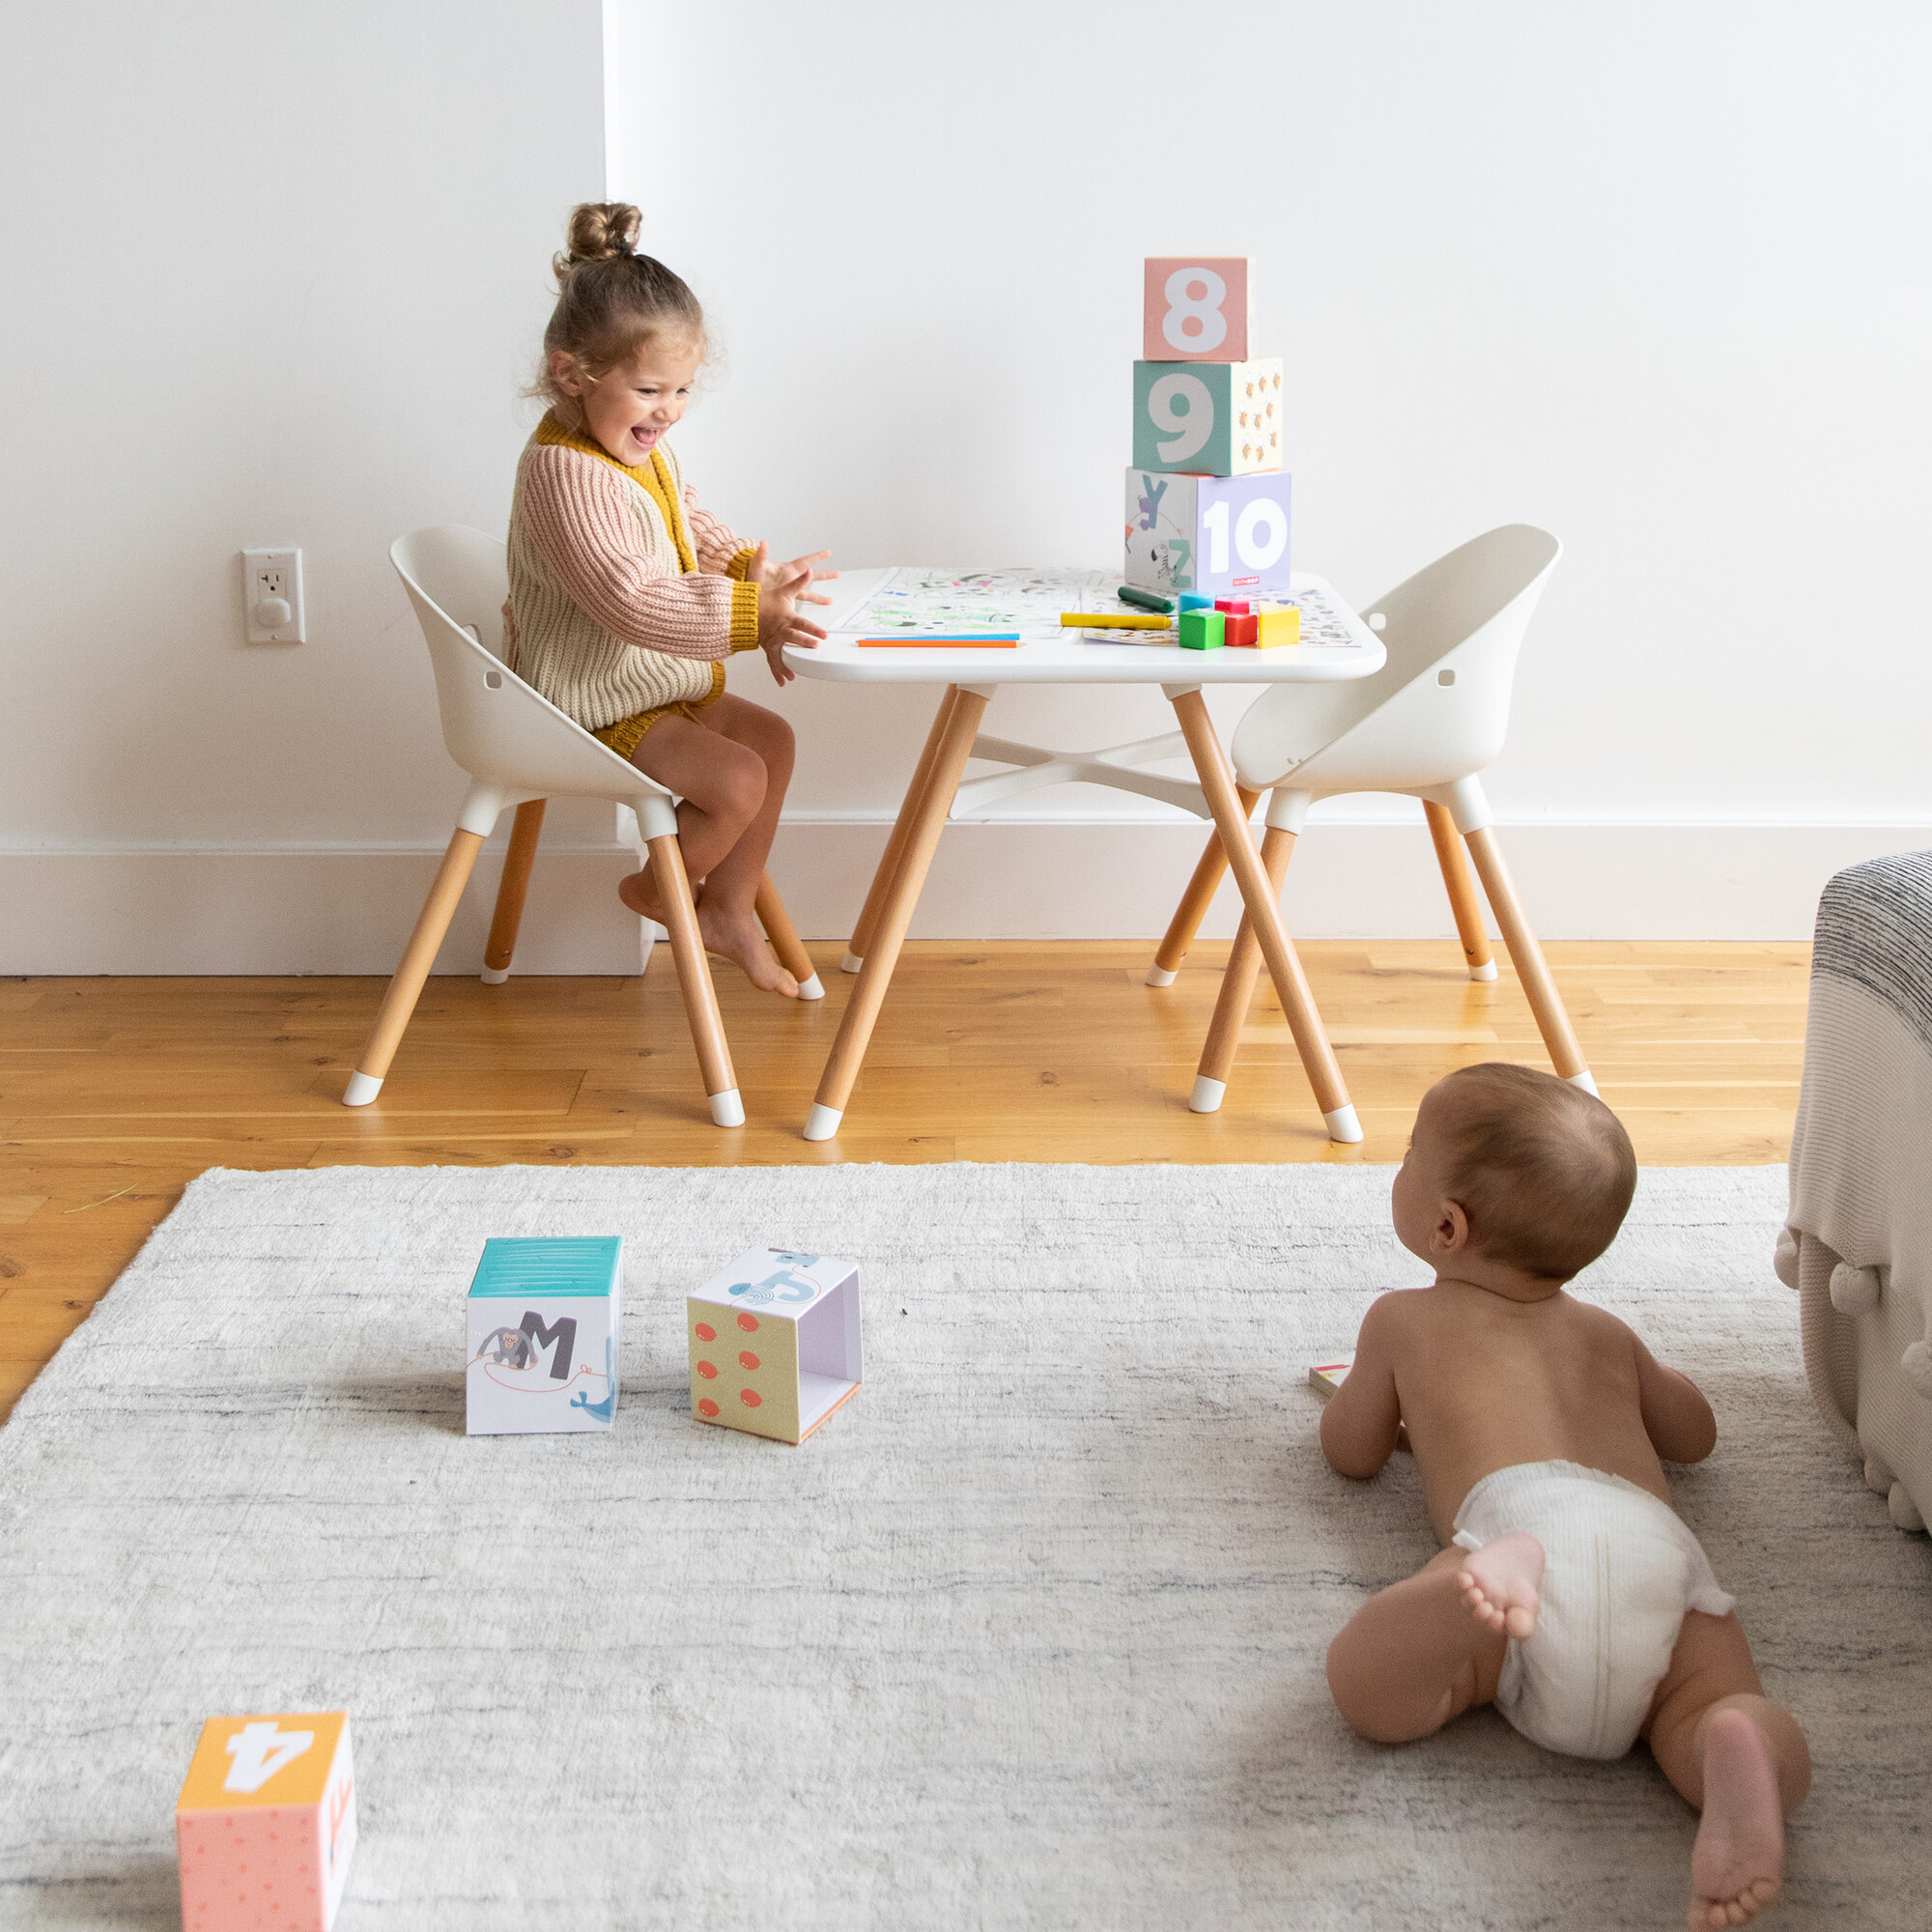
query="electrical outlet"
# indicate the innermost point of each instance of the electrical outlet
(272, 596)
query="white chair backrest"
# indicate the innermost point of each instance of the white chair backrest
(497, 728)
(1439, 709)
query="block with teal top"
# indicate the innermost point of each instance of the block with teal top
(1203, 629)
(1190, 602)
(544, 1312)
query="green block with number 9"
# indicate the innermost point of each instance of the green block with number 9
(1208, 419)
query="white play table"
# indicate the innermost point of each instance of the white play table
(969, 678)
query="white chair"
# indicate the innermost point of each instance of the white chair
(1425, 724)
(519, 749)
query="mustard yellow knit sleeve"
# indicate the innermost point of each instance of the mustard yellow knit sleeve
(744, 616)
(741, 562)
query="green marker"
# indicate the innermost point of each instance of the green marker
(1145, 600)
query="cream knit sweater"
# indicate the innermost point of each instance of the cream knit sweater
(623, 593)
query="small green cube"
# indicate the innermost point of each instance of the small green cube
(1203, 629)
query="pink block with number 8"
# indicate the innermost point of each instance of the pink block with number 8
(1197, 309)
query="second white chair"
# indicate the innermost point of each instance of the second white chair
(519, 749)
(1426, 724)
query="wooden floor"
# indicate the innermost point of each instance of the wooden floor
(115, 1092)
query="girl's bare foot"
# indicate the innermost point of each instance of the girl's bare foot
(640, 892)
(736, 936)
(1501, 1581)
(1738, 1862)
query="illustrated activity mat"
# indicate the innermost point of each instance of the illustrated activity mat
(917, 599)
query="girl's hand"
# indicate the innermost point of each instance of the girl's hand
(764, 572)
(778, 621)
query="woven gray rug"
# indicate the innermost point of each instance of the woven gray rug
(1030, 1635)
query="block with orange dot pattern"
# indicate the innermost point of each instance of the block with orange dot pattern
(774, 1343)
(265, 1823)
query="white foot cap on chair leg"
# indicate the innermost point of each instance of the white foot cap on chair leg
(1159, 976)
(811, 989)
(824, 1122)
(851, 962)
(495, 976)
(1206, 1096)
(1586, 1080)
(362, 1088)
(728, 1110)
(1342, 1126)
(1486, 971)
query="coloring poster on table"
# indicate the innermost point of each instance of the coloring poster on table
(918, 598)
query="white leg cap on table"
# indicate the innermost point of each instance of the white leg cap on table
(1342, 1126)
(361, 1090)
(1206, 1096)
(851, 962)
(811, 989)
(824, 1122)
(1159, 976)
(1586, 1080)
(728, 1110)
(495, 976)
(1486, 971)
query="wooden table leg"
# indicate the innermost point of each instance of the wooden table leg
(525, 831)
(1217, 780)
(694, 979)
(419, 957)
(1460, 883)
(889, 862)
(1526, 956)
(786, 946)
(1238, 985)
(1194, 903)
(929, 818)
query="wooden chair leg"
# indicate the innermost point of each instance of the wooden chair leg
(1318, 1057)
(1526, 956)
(694, 979)
(1460, 883)
(525, 831)
(1194, 903)
(419, 957)
(786, 945)
(888, 862)
(1238, 985)
(861, 1010)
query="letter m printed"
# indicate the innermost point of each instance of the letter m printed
(562, 1334)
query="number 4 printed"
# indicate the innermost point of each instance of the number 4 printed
(260, 1750)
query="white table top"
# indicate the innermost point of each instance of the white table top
(1056, 656)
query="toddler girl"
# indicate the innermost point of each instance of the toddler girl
(626, 598)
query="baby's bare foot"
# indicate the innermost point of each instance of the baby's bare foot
(640, 892)
(735, 936)
(1500, 1582)
(1738, 1862)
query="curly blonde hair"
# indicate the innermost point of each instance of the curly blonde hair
(610, 300)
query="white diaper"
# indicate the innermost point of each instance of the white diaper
(1621, 1571)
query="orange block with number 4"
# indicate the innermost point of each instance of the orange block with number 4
(266, 1824)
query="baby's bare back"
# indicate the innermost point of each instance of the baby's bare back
(1485, 1382)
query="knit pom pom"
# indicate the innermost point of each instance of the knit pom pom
(1854, 1290)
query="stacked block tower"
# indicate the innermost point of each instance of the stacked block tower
(1207, 500)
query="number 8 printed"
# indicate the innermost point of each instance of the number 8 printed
(1204, 309)
(1194, 423)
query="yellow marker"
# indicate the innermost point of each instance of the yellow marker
(1113, 620)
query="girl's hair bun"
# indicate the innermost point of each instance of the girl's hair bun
(599, 231)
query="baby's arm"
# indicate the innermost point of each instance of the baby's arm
(1363, 1418)
(1676, 1417)
(719, 554)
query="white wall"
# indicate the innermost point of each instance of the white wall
(1652, 277)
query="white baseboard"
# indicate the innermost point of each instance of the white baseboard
(309, 910)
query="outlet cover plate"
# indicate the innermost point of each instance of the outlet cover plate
(267, 575)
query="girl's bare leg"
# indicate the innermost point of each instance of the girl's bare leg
(731, 773)
(1414, 1656)
(1740, 1758)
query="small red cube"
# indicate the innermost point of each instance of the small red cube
(1245, 629)
(1236, 607)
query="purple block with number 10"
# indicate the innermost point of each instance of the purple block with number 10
(1217, 536)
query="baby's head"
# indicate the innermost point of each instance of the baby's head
(626, 339)
(1514, 1173)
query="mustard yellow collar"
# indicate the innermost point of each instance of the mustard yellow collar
(654, 478)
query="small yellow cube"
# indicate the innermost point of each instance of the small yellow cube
(1281, 624)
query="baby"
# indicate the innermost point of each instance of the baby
(1571, 1597)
